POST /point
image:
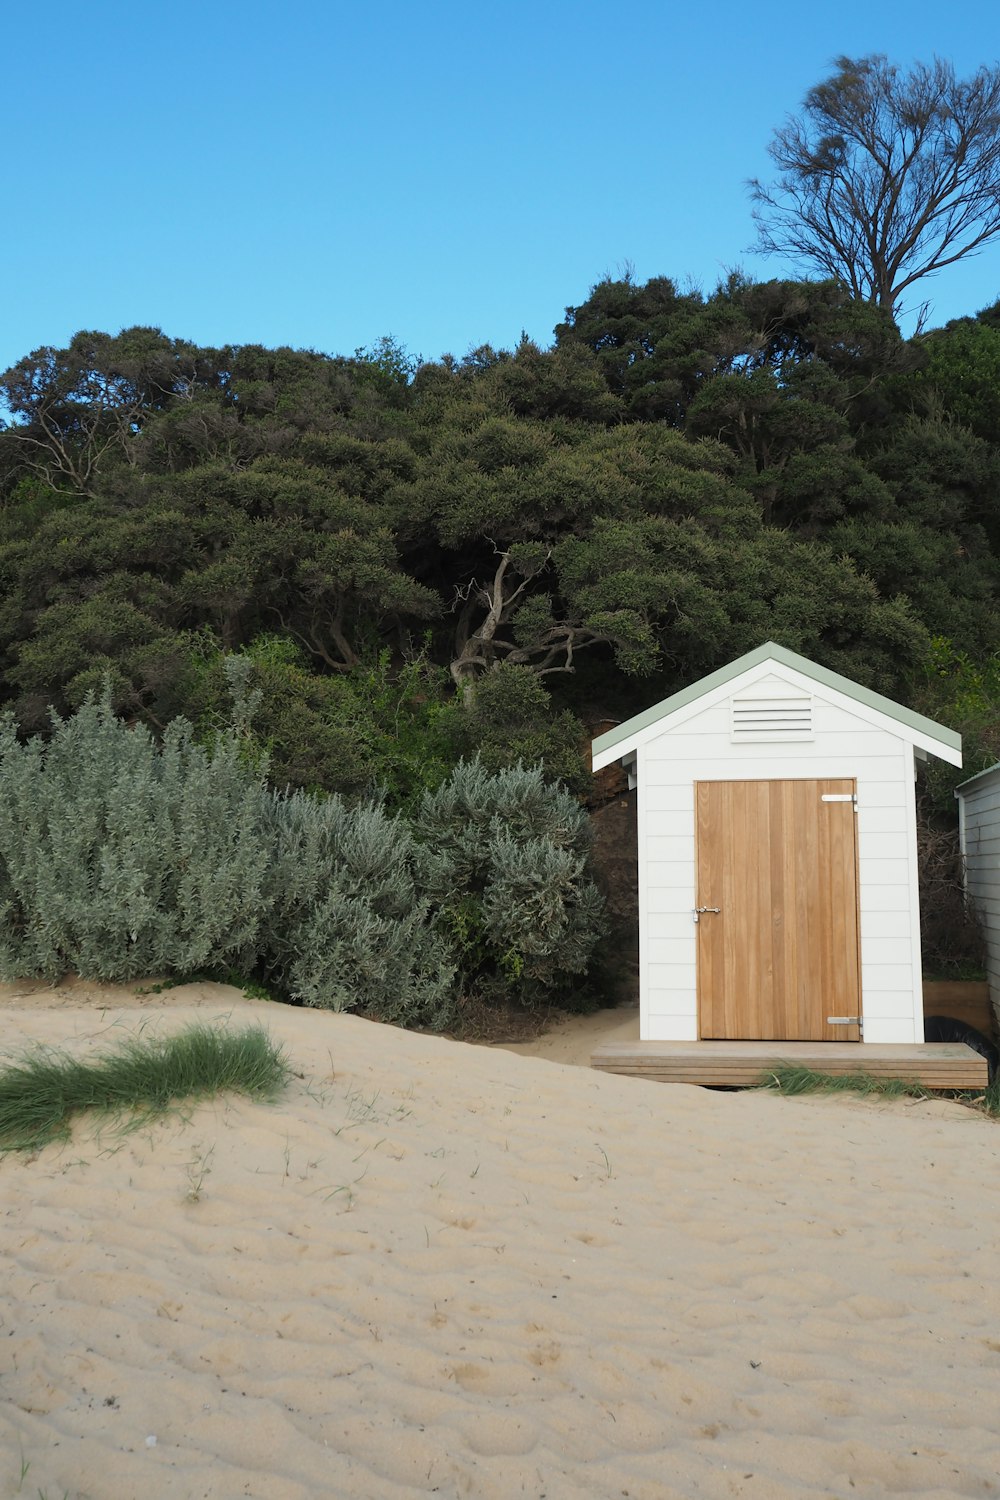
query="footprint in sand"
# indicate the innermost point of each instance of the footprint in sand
(546, 1354)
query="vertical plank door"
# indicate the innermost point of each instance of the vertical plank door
(782, 953)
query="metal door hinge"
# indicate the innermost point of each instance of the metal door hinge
(845, 1021)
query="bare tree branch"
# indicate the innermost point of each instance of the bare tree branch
(478, 651)
(885, 177)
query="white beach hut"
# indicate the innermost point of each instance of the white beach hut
(979, 830)
(777, 856)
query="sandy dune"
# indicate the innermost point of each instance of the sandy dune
(435, 1269)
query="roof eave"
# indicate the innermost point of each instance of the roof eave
(981, 777)
(909, 725)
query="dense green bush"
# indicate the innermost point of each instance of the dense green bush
(511, 885)
(120, 858)
(511, 719)
(379, 728)
(389, 728)
(963, 693)
(346, 927)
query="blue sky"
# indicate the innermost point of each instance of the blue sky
(320, 174)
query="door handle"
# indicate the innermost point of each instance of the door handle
(699, 909)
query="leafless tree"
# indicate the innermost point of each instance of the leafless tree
(885, 177)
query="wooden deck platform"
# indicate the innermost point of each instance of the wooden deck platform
(935, 1065)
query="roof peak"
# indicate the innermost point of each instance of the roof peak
(912, 725)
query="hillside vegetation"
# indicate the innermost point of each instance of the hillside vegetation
(486, 556)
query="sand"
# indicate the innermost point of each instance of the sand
(437, 1269)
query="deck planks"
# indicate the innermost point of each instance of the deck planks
(935, 1065)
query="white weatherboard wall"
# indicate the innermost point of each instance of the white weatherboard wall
(695, 742)
(979, 822)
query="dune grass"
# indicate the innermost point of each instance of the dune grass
(141, 1077)
(789, 1079)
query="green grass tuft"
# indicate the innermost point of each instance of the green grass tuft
(789, 1079)
(39, 1095)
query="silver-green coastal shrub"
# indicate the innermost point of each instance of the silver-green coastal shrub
(120, 859)
(347, 926)
(539, 904)
(514, 893)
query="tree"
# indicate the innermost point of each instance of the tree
(885, 177)
(963, 367)
(78, 408)
(558, 546)
(653, 344)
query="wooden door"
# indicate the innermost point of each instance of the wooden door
(782, 953)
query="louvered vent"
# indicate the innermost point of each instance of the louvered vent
(773, 718)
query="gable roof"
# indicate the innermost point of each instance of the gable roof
(908, 725)
(980, 781)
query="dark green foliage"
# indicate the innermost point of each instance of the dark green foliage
(207, 500)
(393, 732)
(572, 543)
(553, 383)
(80, 409)
(683, 476)
(832, 422)
(116, 585)
(962, 365)
(387, 366)
(653, 345)
(963, 693)
(375, 730)
(660, 349)
(511, 720)
(142, 1076)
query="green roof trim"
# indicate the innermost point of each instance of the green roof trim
(979, 776)
(770, 651)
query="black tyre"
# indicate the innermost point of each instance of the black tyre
(947, 1029)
